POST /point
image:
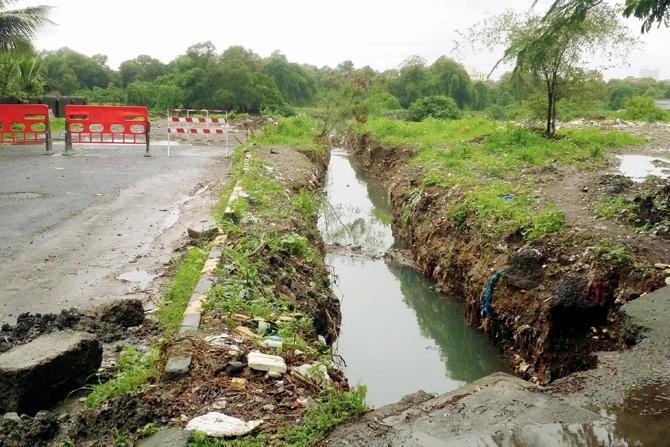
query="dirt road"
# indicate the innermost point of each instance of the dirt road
(71, 226)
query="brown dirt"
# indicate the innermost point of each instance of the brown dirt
(555, 305)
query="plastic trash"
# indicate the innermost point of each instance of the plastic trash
(221, 425)
(263, 362)
(315, 372)
(263, 327)
(273, 342)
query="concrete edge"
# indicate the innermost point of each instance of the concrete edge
(177, 366)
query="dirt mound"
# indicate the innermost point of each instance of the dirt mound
(110, 322)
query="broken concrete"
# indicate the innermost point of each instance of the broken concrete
(37, 375)
(125, 313)
(168, 437)
(476, 414)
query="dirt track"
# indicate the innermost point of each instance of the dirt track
(90, 218)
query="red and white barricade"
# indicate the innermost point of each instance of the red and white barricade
(197, 127)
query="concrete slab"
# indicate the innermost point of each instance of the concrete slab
(38, 374)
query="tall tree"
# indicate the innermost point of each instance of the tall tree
(560, 56)
(651, 12)
(17, 25)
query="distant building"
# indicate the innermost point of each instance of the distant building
(477, 75)
(647, 72)
(663, 103)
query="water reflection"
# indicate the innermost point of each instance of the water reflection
(397, 335)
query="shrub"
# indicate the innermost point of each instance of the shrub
(439, 107)
(643, 108)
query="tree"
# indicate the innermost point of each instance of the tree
(69, 71)
(142, 68)
(649, 11)
(557, 55)
(19, 25)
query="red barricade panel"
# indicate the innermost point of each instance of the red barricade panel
(23, 123)
(107, 124)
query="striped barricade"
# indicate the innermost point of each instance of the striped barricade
(197, 126)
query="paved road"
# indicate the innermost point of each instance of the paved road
(70, 226)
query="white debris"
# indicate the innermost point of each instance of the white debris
(315, 372)
(264, 362)
(221, 425)
(218, 340)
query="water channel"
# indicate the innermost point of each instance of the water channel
(397, 335)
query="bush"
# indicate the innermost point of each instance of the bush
(439, 107)
(643, 108)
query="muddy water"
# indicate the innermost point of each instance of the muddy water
(638, 167)
(397, 336)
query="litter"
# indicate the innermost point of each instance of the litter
(221, 425)
(273, 342)
(315, 372)
(263, 362)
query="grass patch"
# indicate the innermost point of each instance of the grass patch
(134, 370)
(187, 274)
(297, 131)
(496, 166)
(617, 254)
(57, 124)
(615, 206)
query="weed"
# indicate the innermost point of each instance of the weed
(134, 371)
(306, 203)
(294, 244)
(549, 220)
(187, 273)
(120, 439)
(617, 254)
(617, 205)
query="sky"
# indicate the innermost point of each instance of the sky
(371, 32)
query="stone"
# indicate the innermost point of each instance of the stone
(661, 266)
(238, 384)
(123, 312)
(264, 362)
(176, 368)
(38, 374)
(524, 270)
(167, 437)
(245, 332)
(234, 368)
(198, 232)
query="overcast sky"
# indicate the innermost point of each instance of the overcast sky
(376, 33)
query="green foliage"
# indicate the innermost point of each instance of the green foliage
(617, 254)
(307, 204)
(549, 220)
(297, 131)
(294, 244)
(134, 370)
(20, 25)
(617, 205)
(438, 107)
(643, 108)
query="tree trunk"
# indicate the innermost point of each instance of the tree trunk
(550, 108)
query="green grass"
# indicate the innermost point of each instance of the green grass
(187, 273)
(617, 205)
(612, 253)
(297, 131)
(134, 370)
(496, 168)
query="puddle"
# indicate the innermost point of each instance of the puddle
(397, 335)
(140, 277)
(637, 167)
